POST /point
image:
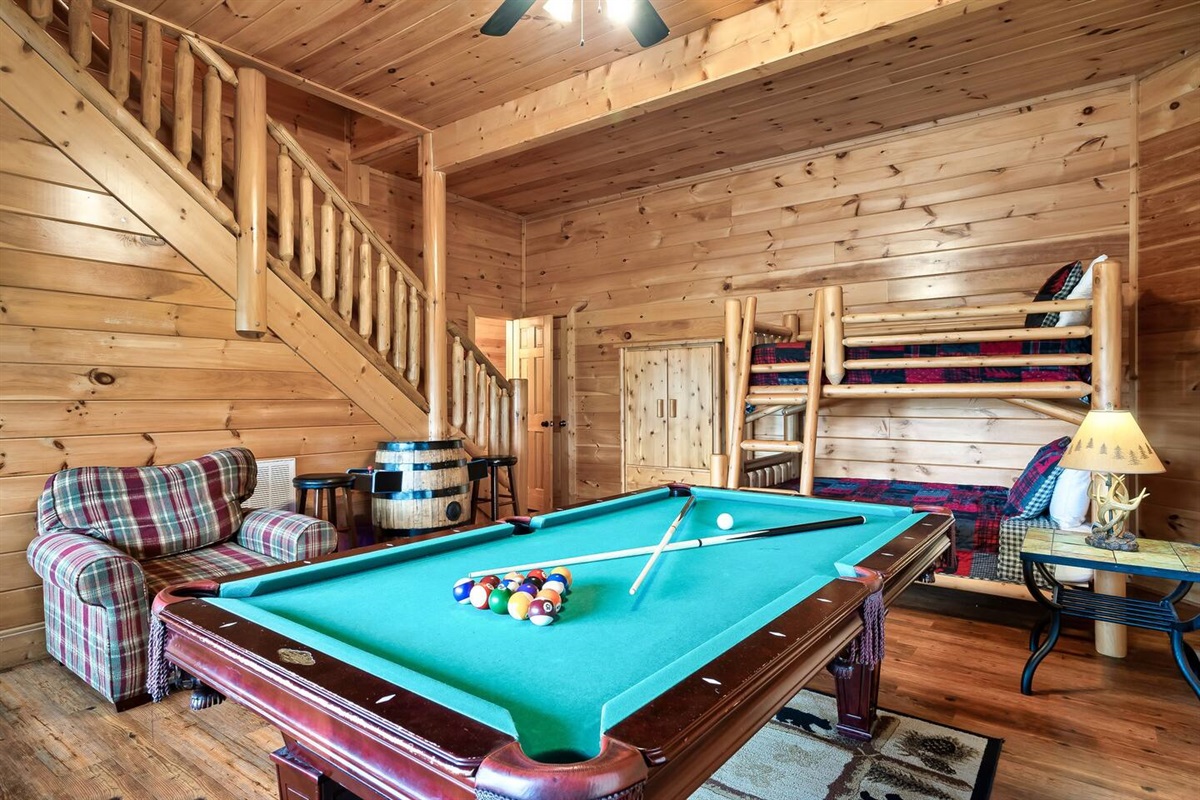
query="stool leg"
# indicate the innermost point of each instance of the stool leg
(301, 500)
(495, 484)
(512, 488)
(351, 521)
(474, 499)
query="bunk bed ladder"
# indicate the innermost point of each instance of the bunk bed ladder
(799, 438)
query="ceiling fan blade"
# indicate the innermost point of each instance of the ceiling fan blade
(507, 15)
(646, 25)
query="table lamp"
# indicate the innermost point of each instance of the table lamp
(1110, 444)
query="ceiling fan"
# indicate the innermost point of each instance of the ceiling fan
(642, 20)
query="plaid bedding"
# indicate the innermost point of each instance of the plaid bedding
(977, 513)
(792, 352)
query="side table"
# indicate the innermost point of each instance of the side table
(1178, 561)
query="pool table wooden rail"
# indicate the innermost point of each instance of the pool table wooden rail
(382, 741)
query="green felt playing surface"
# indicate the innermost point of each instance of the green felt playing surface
(390, 612)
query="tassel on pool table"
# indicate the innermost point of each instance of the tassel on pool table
(868, 646)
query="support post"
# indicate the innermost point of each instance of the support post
(520, 438)
(250, 149)
(1111, 639)
(433, 184)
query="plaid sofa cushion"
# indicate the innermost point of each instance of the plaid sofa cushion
(217, 561)
(153, 511)
(1031, 493)
(285, 536)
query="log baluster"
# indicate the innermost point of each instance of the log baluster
(211, 131)
(285, 207)
(414, 336)
(383, 307)
(481, 415)
(345, 285)
(42, 11)
(366, 299)
(185, 73)
(504, 445)
(308, 244)
(328, 252)
(493, 415)
(458, 388)
(470, 400)
(400, 320)
(152, 48)
(79, 31)
(118, 53)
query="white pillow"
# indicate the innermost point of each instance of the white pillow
(1069, 503)
(1082, 291)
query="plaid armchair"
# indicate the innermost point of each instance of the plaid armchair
(109, 538)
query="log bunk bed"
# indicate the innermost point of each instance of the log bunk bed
(1052, 356)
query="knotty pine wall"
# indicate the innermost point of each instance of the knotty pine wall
(1168, 320)
(117, 351)
(975, 210)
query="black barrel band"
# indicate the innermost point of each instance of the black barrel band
(424, 494)
(393, 466)
(437, 444)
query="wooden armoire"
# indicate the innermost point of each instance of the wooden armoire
(670, 410)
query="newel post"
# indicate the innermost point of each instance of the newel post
(433, 184)
(250, 154)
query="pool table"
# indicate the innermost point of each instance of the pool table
(383, 684)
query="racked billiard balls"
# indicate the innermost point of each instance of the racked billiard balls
(462, 590)
(498, 600)
(541, 612)
(480, 593)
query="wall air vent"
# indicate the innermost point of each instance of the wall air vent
(274, 485)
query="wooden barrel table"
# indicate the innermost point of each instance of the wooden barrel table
(434, 494)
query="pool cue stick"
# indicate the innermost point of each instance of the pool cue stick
(690, 544)
(662, 544)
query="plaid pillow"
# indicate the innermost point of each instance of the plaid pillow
(153, 511)
(1056, 287)
(1030, 495)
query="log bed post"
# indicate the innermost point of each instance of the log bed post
(1106, 393)
(835, 332)
(433, 184)
(808, 452)
(250, 149)
(737, 412)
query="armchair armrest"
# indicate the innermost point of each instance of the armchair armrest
(286, 536)
(98, 573)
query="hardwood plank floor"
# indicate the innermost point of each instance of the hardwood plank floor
(1097, 728)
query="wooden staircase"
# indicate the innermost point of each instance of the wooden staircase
(257, 215)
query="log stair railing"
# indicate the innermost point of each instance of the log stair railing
(314, 238)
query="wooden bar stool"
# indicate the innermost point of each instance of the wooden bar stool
(328, 483)
(494, 464)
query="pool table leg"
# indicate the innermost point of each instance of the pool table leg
(299, 780)
(857, 696)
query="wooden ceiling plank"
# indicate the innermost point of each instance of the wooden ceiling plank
(501, 73)
(398, 34)
(749, 47)
(184, 13)
(282, 23)
(923, 108)
(348, 19)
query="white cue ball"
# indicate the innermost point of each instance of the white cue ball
(724, 521)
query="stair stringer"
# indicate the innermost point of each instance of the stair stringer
(49, 102)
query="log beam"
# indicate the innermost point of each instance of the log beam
(753, 46)
(434, 228)
(250, 147)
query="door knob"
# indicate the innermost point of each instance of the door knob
(546, 423)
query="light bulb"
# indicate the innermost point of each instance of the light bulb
(559, 9)
(620, 10)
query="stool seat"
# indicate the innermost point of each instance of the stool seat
(326, 486)
(489, 467)
(323, 480)
(500, 461)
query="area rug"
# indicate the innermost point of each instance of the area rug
(800, 756)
